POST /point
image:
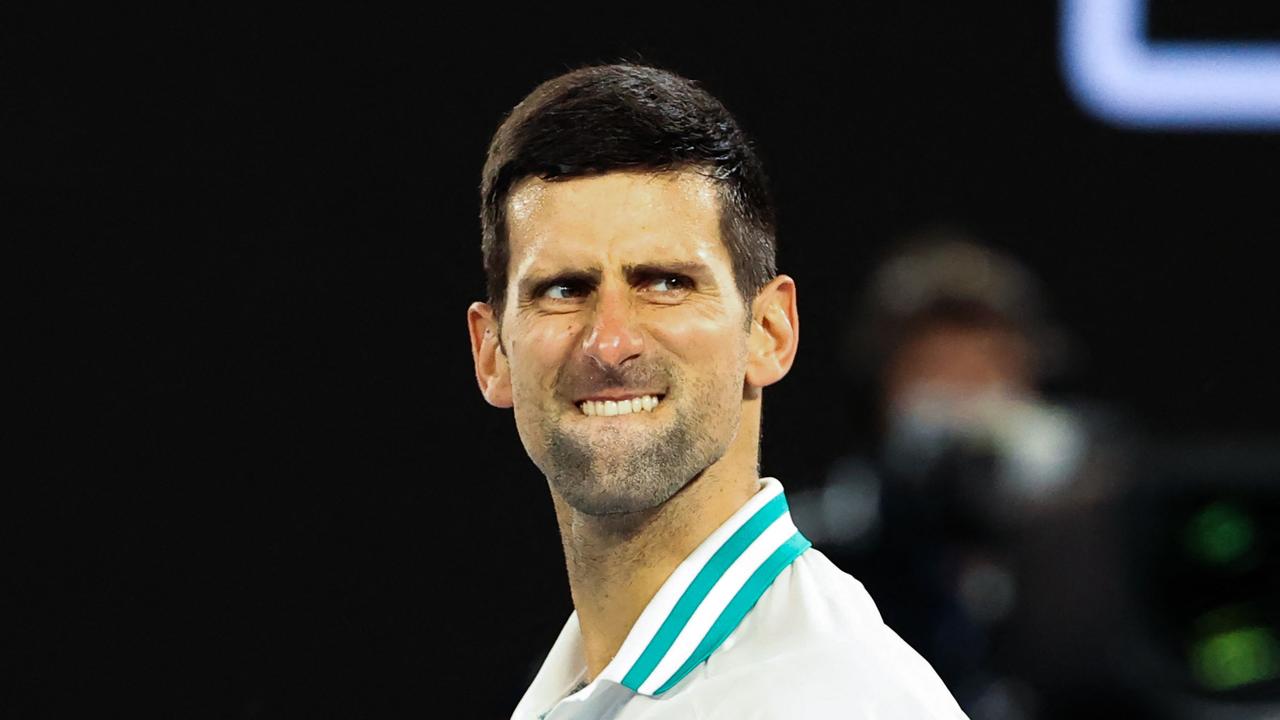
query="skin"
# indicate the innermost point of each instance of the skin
(634, 494)
(961, 362)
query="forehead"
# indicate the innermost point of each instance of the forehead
(614, 218)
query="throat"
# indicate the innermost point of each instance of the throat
(616, 565)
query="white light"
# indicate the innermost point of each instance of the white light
(1121, 76)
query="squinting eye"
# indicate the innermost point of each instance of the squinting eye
(680, 281)
(557, 286)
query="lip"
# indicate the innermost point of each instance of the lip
(577, 408)
(616, 395)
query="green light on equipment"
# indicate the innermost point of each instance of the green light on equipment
(1219, 534)
(1237, 657)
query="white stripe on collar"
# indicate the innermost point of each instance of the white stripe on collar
(707, 596)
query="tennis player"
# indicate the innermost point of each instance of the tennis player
(634, 317)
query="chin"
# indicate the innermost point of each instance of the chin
(596, 497)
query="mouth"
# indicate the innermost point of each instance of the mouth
(639, 404)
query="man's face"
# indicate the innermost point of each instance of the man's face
(958, 363)
(620, 287)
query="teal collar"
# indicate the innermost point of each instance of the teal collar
(708, 594)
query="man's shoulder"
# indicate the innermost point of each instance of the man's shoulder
(816, 641)
(812, 604)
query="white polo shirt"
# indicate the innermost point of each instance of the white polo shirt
(755, 623)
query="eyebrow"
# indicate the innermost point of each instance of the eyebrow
(532, 283)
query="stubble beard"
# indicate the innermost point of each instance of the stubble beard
(618, 470)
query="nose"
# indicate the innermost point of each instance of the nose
(614, 337)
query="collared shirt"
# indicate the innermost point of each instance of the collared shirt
(755, 623)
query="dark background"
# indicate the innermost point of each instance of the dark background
(256, 477)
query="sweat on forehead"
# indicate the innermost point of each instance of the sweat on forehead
(620, 189)
(616, 217)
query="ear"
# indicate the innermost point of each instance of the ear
(492, 371)
(775, 332)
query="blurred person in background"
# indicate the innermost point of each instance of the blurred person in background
(985, 514)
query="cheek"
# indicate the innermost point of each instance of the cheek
(712, 347)
(542, 351)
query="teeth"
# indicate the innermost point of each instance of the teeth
(609, 408)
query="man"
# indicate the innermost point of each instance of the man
(987, 495)
(634, 317)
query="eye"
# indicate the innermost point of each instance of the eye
(677, 282)
(551, 290)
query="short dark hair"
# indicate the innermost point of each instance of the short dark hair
(625, 116)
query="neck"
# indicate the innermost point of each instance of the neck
(617, 563)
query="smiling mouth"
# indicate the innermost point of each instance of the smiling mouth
(629, 406)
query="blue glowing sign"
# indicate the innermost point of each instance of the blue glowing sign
(1121, 76)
